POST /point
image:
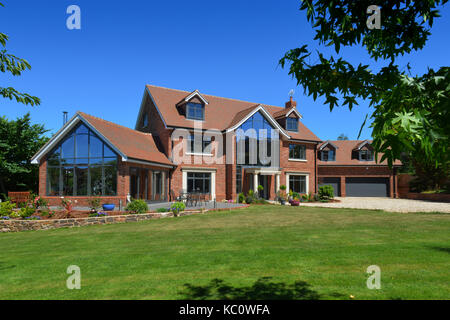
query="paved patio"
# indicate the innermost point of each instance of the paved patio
(387, 204)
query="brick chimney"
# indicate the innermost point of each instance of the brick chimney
(291, 103)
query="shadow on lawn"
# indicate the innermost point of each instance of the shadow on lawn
(442, 249)
(262, 289)
(4, 266)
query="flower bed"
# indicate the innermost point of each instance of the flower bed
(81, 218)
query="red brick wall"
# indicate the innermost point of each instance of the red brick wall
(307, 166)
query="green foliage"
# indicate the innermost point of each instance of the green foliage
(6, 208)
(410, 113)
(94, 203)
(294, 195)
(177, 207)
(137, 206)
(161, 210)
(326, 192)
(283, 187)
(342, 136)
(26, 212)
(241, 197)
(251, 197)
(19, 141)
(15, 66)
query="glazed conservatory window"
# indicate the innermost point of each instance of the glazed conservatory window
(82, 165)
(262, 131)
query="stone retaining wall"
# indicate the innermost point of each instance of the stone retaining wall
(27, 225)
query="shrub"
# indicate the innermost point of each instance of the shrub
(241, 197)
(251, 197)
(98, 214)
(295, 195)
(38, 202)
(94, 203)
(137, 206)
(26, 212)
(67, 204)
(177, 207)
(283, 187)
(326, 192)
(162, 210)
(304, 197)
(6, 208)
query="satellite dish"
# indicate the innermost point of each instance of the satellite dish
(291, 93)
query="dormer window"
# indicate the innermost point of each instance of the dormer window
(328, 155)
(292, 124)
(365, 155)
(195, 111)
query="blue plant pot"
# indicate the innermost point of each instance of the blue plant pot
(108, 207)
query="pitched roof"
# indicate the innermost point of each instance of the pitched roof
(344, 154)
(285, 112)
(220, 113)
(128, 143)
(134, 144)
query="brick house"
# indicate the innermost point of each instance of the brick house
(351, 168)
(188, 141)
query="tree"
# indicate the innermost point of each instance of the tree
(15, 66)
(19, 141)
(342, 136)
(411, 113)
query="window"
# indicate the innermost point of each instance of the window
(248, 152)
(365, 155)
(238, 179)
(297, 152)
(292, 124)
(205, 144)
(297, 183)
(199, 182)
(82, 165)
(328, 155)
(145, 120)
(195, 111)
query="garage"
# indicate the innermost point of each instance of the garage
(367, 187)
(334, 182)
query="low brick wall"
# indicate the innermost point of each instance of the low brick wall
(28, 225)
(436, 197)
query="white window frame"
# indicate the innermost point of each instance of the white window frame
(297, 174)
(200, 170)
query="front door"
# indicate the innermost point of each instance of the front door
(264, 182)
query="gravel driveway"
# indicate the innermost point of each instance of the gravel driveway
(387, 204)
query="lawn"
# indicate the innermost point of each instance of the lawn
(259, 252)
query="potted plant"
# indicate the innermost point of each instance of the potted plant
(177, 207)
(282, 194)
(295, 200)
(108, 206)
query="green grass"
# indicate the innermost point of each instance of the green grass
(327, 249)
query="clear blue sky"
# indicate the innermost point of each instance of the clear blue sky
(225, 48)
